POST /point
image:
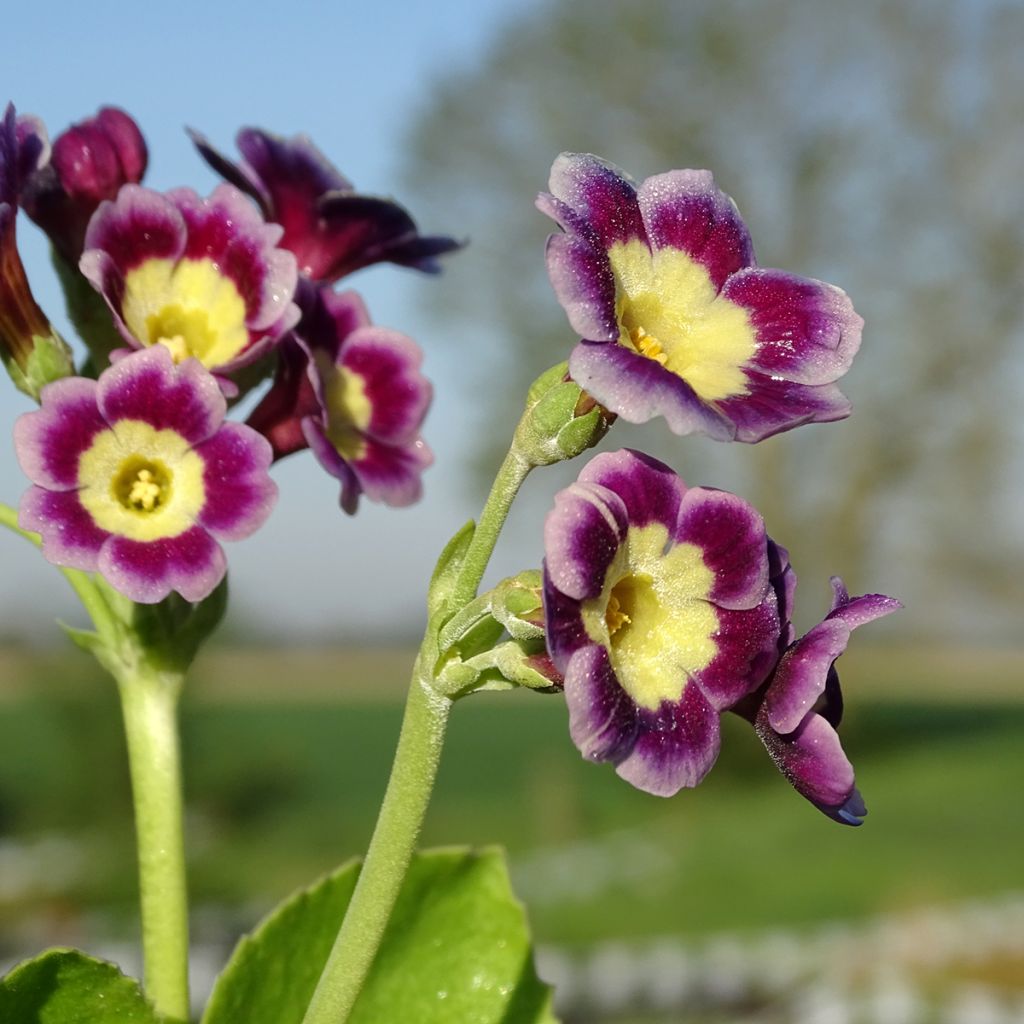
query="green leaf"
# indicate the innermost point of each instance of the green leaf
(63, 986)
(446, 572)
(456, 949)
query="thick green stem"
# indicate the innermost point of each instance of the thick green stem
(149, 700)
(387, 860)
(514, 470)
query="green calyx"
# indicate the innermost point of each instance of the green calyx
(48, 359)
(561, 420)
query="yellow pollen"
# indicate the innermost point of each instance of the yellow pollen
(647, 345)
(177, 346)
(145, 491)
(615, 616)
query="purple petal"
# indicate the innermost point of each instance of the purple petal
(675, 745)
(731, 536)
(585, 286)
(649, 490)
(783, 581)
(813, 761)
(50, 441)
(772, 406)
(388, 364)
(148, 386)
(806, 330)
(293, 171)
(140, 225)
(192, 564)
(603, 720)
(747, 649)
(70, 537)
(582, 534)
(240, 175)
(600, 194)
(683, 210)
(239, 493)
(638, 389)
(800, 677)
(857, 611)
(563, 624)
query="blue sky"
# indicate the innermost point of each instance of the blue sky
(352, 76)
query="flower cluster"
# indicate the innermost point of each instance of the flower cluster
(667, 605)
(136, 473)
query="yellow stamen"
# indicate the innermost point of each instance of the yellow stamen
(145, 491)
(647, 345)
(615, 616)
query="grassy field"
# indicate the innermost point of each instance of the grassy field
(283, 781)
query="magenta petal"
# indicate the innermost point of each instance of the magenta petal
(857, 611)
(50, 441)
(388, 366)
(675, 747)
(70, 537)
(638, 389)
(391, 474)
(603, 719)
(683, 210)
(582, 534)
(149, 386)
(806, 330)
(564, 630)
(141, 225)
(813, 761)
(239, 493)
(192, 564)
(585, 286)
(649, 490)
(239, 175)
(731, 537)
(600, 194)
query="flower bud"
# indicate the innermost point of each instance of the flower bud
(90, 162)
(516, 604)
(561, 420)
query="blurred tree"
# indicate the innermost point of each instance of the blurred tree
(874, 145)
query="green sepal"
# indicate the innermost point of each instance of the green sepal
(456, 948)
(516, 663)
(446, 572)
(87, 640)
(517, 605)
(48, 360)
(64, 986)
(172, 631)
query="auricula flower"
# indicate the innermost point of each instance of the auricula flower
(659, 613)
(354, 394)
(137, 476)
(798, 710)
(332, 229)
(90, 161)
(202, 277)
(677, 320)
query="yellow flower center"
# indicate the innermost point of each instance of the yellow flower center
(668, 310)
(654, 617)
(348, 408)
(190, 307)
(141, 483)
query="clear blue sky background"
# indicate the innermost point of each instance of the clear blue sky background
(352, 76)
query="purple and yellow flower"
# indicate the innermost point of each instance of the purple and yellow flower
(660, 614)
(797, 712)
(676, 318)
(137, 476)
(354, 394)
(202, 277)
(332, 229)
(90, 161)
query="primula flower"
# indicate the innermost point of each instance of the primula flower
(353, 393)
(797, 712)
(90, 162)
(659, 613)
(137, 476)
(675, 317)
(332, 229)
(202, 277)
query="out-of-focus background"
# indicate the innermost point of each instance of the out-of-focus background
(875, 145)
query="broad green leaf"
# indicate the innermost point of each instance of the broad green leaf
(456, 951)
(63, 986)
(447, 569)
